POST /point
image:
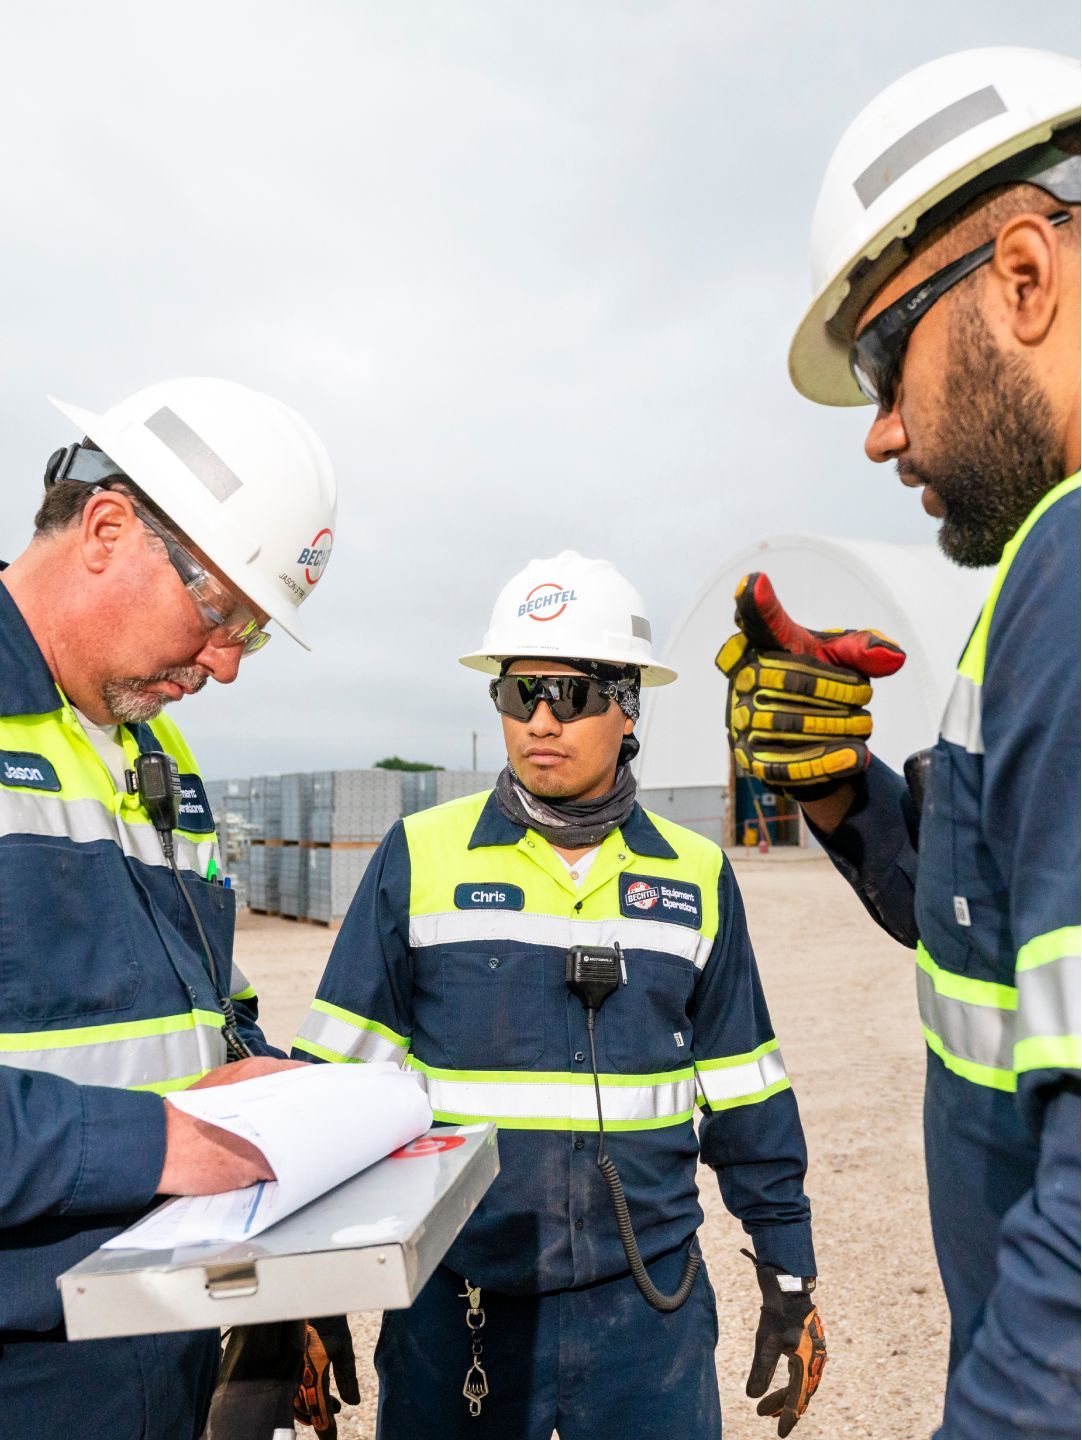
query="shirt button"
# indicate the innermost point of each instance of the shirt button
(191, 992)
(493, 962)
(621, 856)
(579, 1142)
(580, 1055)
(579, 1224)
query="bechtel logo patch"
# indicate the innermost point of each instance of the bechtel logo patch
(642, 895)
(314, 557)
(546, 601)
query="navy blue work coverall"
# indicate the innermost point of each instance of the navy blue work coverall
(104, 999)
(985, 884)
(451, 962)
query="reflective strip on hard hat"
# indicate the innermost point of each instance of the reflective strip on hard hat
(194, 452)
(557, 1100)
(924, 139)
(167, 1053)
(32, 812)
(743, 1079)
(457, 926)
(331, 1033)
(1049, 1000)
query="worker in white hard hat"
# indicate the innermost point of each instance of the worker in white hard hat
(946, 261)
(172, 531)
(550, 957)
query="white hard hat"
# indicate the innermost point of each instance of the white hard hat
(569, 608)
(246, 478)
(931, 137)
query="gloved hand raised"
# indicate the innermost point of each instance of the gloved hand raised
(795, 712)
(789, 1325)
(328, 1345)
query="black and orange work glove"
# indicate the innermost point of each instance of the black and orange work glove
(789, 1325)
(328, 1346)
(796, 712)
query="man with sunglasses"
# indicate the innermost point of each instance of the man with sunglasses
(453, 961)
(946, 245)
(167, 538)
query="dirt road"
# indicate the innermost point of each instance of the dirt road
(841, 996)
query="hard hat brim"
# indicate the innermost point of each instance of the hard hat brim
(134, 455)
(490, 665)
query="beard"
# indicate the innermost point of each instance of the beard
(997, 452)
(131, 703)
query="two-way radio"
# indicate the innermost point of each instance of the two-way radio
(592, 973)
(156, 780)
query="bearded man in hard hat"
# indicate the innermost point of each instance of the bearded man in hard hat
(462, 957)
(946, 249)
(169, 535)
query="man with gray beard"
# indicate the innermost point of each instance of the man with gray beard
(946, 258)
(168, 537)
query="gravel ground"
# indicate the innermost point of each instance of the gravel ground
(841, 996)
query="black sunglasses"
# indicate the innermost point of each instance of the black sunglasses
(569, 697)
(875, 356)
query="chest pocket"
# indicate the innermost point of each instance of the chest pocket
(65, 948)
(494, 1002)
(642, 1024)
(218, 914)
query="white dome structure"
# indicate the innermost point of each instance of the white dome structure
(910, 592)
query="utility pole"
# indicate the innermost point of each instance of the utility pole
(474, 734)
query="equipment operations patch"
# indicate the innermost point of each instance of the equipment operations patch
(648, 897)
(20, 767)
(195, 814)
(487, 895)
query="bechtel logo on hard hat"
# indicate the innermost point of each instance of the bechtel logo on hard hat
(314, 557)
(546, 601)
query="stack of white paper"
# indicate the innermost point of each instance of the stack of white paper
(317, 1125)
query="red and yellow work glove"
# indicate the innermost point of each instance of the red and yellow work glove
(796, 711)
(789, 1325)
(328, 1345)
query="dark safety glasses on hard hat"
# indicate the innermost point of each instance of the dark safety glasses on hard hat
(875, 356)
(229, 620)
(569, 697)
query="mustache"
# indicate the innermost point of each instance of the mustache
(191, 677)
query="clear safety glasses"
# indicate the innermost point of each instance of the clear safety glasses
(229, 620)
(876, 355)
(569, 697)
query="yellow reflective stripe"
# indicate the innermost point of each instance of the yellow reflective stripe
(360, 1022)
(517, 1122)
(737, 1100)
(972, 992)
(727, 1060)
(972, 662)
(987, 1075)
(322, 1052)
(248, 993)
(163, 1087)
(1048, 1052)
(549, 1077)
(1054, 945)
(15, 1041)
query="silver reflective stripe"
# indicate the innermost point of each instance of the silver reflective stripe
(134, 1060)
(238, 981)
(566, 1103)
(462, 926)
(925, 139)
(352, 1042)
(982, 1034)
(84, 821)
(962, 717)
(193, 451)
(734, 1082)
(640, 627)
(1049, 998)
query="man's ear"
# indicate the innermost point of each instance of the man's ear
(1027, 276)
(106, 517)
(629, 725)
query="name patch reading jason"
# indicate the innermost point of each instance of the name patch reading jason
(485, 895)
(20, 767)
(648, 897)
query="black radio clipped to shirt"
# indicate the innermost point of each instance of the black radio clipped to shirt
(156, 780)
(592, 973)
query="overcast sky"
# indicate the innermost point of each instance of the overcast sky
(530, 269)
